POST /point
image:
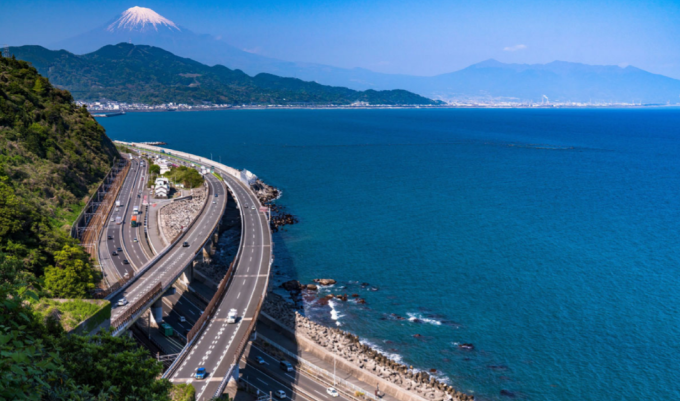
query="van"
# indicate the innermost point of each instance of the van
(286, 366)
(232, 316)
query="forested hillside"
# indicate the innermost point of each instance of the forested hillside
(146, 74)
(52, 153)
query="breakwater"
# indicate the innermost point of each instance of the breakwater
(349, 347)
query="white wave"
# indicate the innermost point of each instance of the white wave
(335, 315)
(415, 316)
(395, 357)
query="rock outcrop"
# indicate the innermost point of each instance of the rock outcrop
(349, 347)
(324, 281)
(177, 215)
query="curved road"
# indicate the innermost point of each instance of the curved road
(168, 267)
(113, 266)
(216, 348)
(217, 345)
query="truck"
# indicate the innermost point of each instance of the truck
(135, 210)
(231, 317)
(117, 203)
(133, 222)
(166, 329)
(118, 220)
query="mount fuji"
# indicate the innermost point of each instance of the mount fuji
(489, 80)
(144, 26)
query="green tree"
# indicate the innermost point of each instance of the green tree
(105, 362)
(183, 392)
(39, 87)
(72, 277)
(154, 169)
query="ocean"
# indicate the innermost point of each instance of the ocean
(549, 239)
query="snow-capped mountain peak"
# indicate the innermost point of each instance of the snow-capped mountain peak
(140, 19)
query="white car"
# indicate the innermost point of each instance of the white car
(182, 319)
(281, 394)
(332, 392)
(231, 317)
(260, 360)
(122, 302)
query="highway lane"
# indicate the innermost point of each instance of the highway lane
(270, 377)
(216, 348)
(133, 249)
(177, 258)
(113, 266)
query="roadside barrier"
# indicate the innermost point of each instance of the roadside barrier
(134, 308)
(212, 306)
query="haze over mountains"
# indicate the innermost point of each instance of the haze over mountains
(489, 80)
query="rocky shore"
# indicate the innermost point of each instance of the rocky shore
(177, 215)
(349, 347)
(266, 194)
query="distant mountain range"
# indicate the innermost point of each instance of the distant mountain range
(146, 74)
(488, 80)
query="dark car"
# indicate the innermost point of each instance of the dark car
(139, 196)
(110, 237)
(114, 253)
(286, 366)
(215, 195)
(125, 262)
(185, 244)
(119, 249)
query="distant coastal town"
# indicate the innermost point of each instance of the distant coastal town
(108, 108)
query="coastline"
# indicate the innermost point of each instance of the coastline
(361, 354)
(405, 107)
(356, 353)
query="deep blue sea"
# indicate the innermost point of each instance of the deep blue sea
(550, 239)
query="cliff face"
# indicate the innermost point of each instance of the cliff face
(52, 153)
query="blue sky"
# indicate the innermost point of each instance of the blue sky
(424, 37)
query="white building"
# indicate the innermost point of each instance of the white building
(161, 187)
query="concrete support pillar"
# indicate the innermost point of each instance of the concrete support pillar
(157, 312)
(188, 275)
(206, 255)
(216, 237)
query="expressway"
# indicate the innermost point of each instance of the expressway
(216, 348)
(218, 345)
(167, 269)
(269, 377)
(112, 265)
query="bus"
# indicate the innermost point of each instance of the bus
(133, 223)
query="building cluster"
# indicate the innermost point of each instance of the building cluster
(161, 187)
(113, 106)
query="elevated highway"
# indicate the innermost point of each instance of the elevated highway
(217, 345)
(159, 274)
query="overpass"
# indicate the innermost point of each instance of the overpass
(213, 343)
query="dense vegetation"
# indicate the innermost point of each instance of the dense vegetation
(146, 74)
(189, 177)
(52, 154)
